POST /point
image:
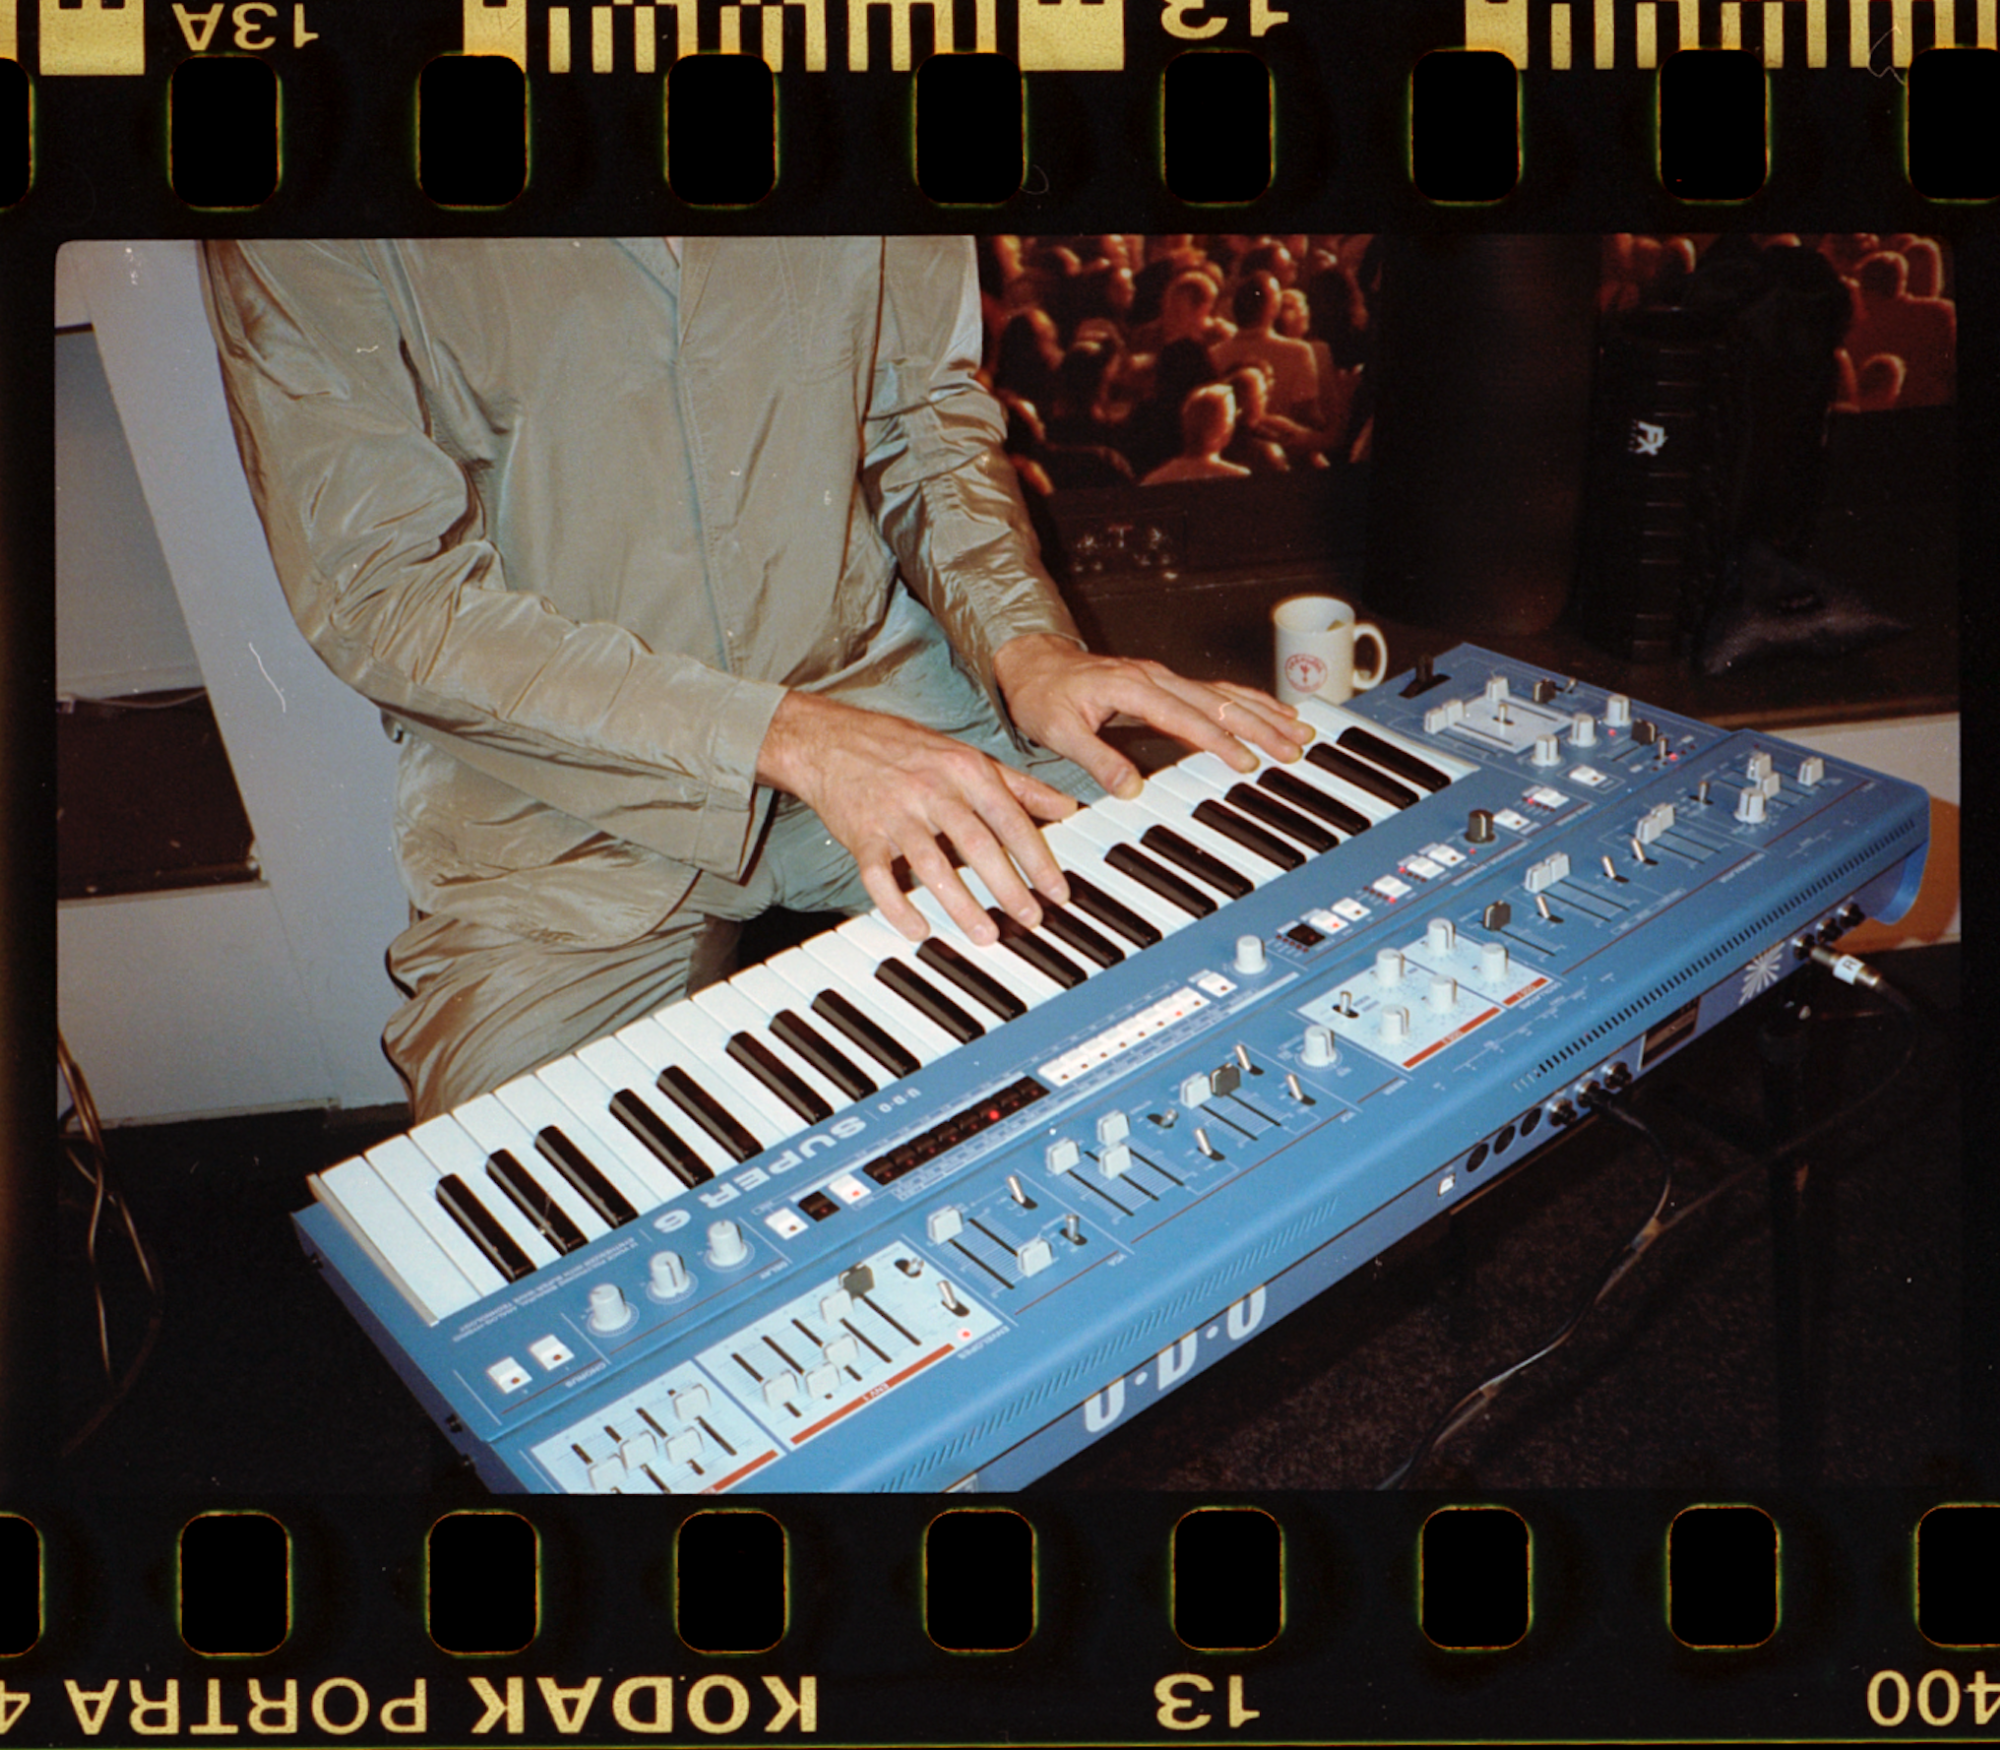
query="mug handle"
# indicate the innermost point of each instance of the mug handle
(1362, 682)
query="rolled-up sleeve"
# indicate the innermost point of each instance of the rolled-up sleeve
(380, 540)
(940, 484)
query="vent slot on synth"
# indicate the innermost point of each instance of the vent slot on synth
(1087, 1373)
(1832, 880)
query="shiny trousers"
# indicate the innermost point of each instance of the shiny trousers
(485, 1005)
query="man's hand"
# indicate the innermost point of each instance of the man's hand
(1062, 696)
(887, 788)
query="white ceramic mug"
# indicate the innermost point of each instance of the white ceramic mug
(1316, 635)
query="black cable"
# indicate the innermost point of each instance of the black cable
(1909, 1014)
(89, 1156)
(1474, 1402)
(1469, 1407)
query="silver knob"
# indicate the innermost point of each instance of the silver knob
(1583, 730)
(1317, 1050)
(1441, 935)
(609, 1309)
(1388, 967)
(667, 1276)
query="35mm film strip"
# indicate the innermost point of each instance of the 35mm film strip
(283, 1601)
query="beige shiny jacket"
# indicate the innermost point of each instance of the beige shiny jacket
(467, 455)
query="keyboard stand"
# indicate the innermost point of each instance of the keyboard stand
(1798, 1219)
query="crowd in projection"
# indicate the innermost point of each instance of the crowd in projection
(1124, 359)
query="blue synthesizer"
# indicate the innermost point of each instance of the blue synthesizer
(883, 1215)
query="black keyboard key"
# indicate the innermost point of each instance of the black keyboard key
(1247, 833)
(658, 1136)
(1155, 879)
(977, 983)
(929, 1001)
(1113, 914)
(483, 1228)
(584, 1178)
(1262, 805)
(709, 1112)
(1362, 777)
(1288, 787)
(770, 1069)
(1025, 945)
(533, 1200)
(1395, 759)
(861, 1030)
(1073, 933)
(819, 1051)
(1163, 842)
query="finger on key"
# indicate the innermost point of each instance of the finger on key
(933, 869)
(1290, 730)
(878, 876)
(1022, 837)
(981, 851)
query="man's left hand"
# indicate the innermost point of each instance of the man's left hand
(1061, 696)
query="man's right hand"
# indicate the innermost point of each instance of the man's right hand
(889, 789)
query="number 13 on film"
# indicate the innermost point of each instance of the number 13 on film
(1179, 1697)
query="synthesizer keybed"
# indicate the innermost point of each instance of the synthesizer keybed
(877, 1215)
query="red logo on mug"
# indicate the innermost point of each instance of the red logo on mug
(1305, 671)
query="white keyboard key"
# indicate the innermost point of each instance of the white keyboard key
(539, 1107)
(454, 1152)
(411, 1177)
(884, 944)
(704, 1046)
(1014, 974)
(771, 996)
(613, 1063)
(1166, 806)
(490, 1124)
(391, 1235)
(1083, 854)
(570, 1081)
(1330, 720)
(731, 1010)
(831, 963)
(857, 962)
